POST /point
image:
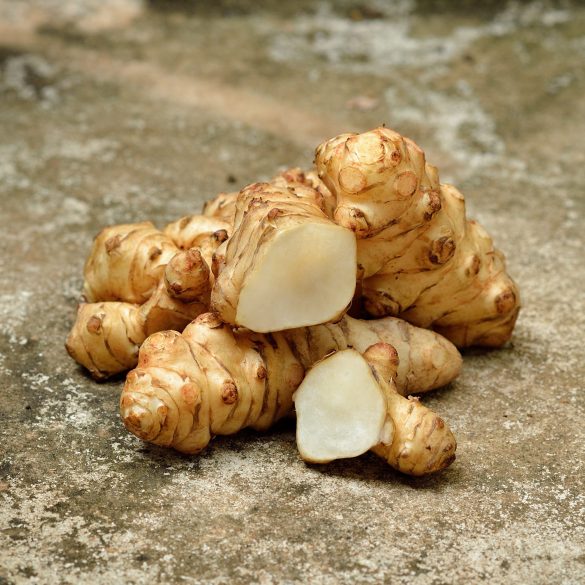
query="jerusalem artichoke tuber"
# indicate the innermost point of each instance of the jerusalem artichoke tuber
(419, 257)
(374, 224)
(286, 265)
(125, 263)
(348, 404)
(106, 335)
(214, 380)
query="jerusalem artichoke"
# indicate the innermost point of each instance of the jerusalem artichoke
(286, 265)
(374, 224)
(348, 404)
(419, 258)
(106, 335)
(214, 380)
(139, 281)
(126, 263)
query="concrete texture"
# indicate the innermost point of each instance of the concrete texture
(119, 111)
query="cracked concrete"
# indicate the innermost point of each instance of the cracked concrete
(125, 110)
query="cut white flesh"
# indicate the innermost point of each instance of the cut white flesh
(306, 276)
(341, 409)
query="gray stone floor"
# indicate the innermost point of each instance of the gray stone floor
(118, 111)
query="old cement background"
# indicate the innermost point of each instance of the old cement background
(118, 111)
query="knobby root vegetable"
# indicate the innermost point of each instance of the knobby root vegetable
(106, 335)
(418, 255)
(427, 360)
(127, 261)
(348, 404)
(214, 380)
(286, 264)
(139, 281)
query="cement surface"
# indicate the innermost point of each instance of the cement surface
(119, 111)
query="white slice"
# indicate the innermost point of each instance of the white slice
(306, 277)
(341, 409)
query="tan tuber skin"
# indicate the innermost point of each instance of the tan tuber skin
(419, 257)
(214, 380)
(139, 281)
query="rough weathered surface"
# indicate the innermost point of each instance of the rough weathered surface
(132, 111)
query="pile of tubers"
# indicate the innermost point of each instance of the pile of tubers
(336, 294)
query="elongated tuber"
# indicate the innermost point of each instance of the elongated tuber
(286, 265)
(125, 263)
(106, 336)
(419, 257)
(348, 404)
(214, 380)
